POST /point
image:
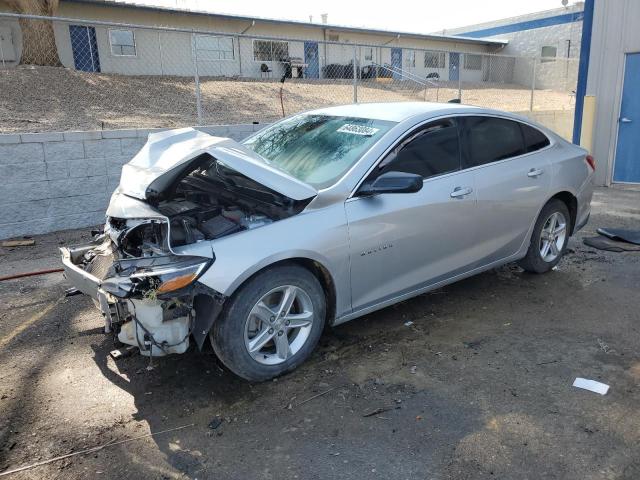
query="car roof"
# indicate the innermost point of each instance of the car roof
(397, 111)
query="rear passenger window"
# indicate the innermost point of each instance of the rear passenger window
(534, 139)
(432, 151)
(489, 139)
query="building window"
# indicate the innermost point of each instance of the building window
(270, 51)
(214, 48)
(434, 59)
(548, 54)
(368, 54)
(472, 62)
(123, 43)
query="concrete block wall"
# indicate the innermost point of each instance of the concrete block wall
(60, 180)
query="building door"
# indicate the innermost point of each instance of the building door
(311, 59)
(85, 48)
(454, 66)
(396, 63)
(626, 168)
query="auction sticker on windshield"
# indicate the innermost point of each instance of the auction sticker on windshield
(358, 129)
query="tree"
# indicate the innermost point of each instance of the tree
(38, 39)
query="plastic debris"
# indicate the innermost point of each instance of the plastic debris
(591, 385)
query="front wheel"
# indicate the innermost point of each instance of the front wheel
(549, 238)
(271, 324)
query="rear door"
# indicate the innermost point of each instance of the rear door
(512, 178)
(400, 242)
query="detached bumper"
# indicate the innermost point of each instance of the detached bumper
(81, 279)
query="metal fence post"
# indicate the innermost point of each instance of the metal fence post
(533, 83)
(355, 78)
(196, 76)
(460, 59)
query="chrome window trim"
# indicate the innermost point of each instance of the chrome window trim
(552, 143)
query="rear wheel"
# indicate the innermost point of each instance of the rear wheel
(272, 324)
(549, 238)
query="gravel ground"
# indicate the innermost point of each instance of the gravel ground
(477, 387)
(60, 99)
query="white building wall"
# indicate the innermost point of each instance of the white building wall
(170, 53)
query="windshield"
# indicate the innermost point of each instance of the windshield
(317, 149)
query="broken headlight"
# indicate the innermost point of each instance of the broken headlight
(154, 276)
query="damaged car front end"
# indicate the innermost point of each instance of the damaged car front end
(182, 191)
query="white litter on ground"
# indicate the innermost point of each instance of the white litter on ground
(591, 385)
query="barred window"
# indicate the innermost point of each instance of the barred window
(434, 59)
(472, 62)
(270, 51)
(123, 42)
(548, 54)
(209, 47)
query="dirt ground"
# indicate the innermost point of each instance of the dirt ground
(478, 386)
(59, 99)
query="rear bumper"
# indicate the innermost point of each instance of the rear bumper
(582, 223)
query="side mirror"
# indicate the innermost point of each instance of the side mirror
(392, 182)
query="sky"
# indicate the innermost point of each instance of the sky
(421, 16)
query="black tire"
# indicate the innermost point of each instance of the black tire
(533, 261)
(227, 334)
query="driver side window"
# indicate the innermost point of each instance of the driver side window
(432, 150)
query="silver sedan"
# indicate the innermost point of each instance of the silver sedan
(321, 218)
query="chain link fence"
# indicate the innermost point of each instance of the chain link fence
(68, 74)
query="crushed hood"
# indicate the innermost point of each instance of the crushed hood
(168, 150)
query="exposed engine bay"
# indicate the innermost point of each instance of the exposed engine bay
(147, 292)
(205, 201)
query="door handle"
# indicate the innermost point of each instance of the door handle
(460, 192)
(625, 120)
(535, 172)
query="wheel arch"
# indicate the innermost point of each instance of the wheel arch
(571, 201)
(314, 265)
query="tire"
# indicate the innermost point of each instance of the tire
(535, 261)
(251, 316)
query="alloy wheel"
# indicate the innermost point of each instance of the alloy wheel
(278, 325)
(552, 237)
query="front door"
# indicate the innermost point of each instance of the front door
(627, 163)
(401, 242)
(454, 66)
(85, 48)
(311, 59)
(396, 63)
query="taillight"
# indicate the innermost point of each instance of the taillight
(591, 161)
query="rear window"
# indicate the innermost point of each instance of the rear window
(491, 139)
(534, 139)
